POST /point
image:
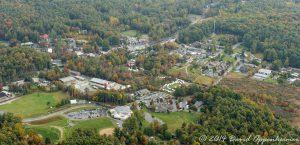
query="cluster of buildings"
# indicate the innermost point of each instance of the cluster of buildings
(160, 101)
(192, 52)
(83, 83)
(215, 68)
(135, 44)
(262, 74)
(121, 112)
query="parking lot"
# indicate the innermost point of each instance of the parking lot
(86, 114)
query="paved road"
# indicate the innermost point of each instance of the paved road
(61, 112)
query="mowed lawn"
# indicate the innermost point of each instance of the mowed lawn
(130, 33)
(98, 124)
(174, 120)
(34, 104)
(46, 132)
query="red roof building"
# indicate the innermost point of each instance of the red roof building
(45, 36)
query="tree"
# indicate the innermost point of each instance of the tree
(276, 65)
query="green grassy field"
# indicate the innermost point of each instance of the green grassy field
(34, 104)
(130, 33)
(270, 80)
(204, 80)
(98, 123)
(175, 119)
(45, 131)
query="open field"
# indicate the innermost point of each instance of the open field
(46, 131)
(34, 104)
(130, 33)
(235, 75)
(98, 124)
(186, 72)
(107, 131)
(175, 119)
(282, 99)
(204, 80)
(64, 124)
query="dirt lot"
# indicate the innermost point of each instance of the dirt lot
(107, 131)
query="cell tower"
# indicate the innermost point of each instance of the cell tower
(214, 27)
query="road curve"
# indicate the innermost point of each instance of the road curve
(61, 112)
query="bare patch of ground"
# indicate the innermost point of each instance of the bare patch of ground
(107, 131)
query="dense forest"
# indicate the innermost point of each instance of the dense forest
(13, 132)
(19, 63)
(23, 20)
(270, 27)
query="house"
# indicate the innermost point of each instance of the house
(262, 74)
(35, 80)
(80, 78)
(28, 44)
(295, 75)
(73, 101)
(19, 83)
(57, 62)
(68, 80)
(79, 53)
(198, 105)
(183, 105)
(116, 86)
(121, 112)
(3, 94)
(44, 42)
(131, 63)
(75, 73)
(49, 50)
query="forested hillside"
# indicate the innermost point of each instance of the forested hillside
(13, 132)
(270, 27)
(25, 20)
(18, 63)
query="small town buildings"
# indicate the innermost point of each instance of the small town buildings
(75, 73)
(121, 112)
(80, 78)
(4, 94)
(19, 83)
(73, 102)
(262, 74)
(183, 105)
(28, 44)
(198, 105)
(68, 80)
(100, 83)
(57, 62)
(104, 84)
(131, 63)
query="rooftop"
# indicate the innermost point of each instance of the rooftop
(67, 79)
(99, 81)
